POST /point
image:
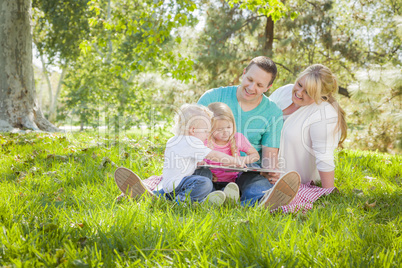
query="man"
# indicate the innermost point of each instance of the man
(257, 118)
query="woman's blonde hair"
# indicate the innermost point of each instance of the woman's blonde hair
(190, 115)
(222, 112)
(321, 85)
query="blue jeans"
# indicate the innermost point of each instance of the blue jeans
(206, 172)
(252, 186)
(196, 187)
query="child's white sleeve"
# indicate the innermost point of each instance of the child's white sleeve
(196, 149)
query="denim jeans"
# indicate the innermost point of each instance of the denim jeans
(220, 185)
(206, 172)
(196, 187)
(252, 186)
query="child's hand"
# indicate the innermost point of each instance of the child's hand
(240, 162)
(201, 163)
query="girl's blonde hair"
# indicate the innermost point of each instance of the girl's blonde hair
(189, 115)
(222, 112)
(321, 85)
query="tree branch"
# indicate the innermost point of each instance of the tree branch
(387, 100)
(343, 91)
(382, 54)
(97, 50)
(314, 5)
(286, 68)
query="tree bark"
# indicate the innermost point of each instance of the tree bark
(269, 37)
(18, 106)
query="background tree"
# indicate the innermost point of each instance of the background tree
(379, 115)
(129, 34)
(347, 37)
(126, 40)
(18, 105)
(118, 53)
(233, 35)
(320, 33)
(58, 29)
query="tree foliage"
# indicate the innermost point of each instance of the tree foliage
(347, 37)
(324, 31)
(226, 43)
(110, 46)
(378, 92)
(59, 28)
(125, 40)
(269, 8)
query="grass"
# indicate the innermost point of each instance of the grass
(58, 208)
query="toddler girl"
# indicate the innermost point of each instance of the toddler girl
(225, 139)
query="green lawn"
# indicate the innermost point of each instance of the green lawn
(58, 208)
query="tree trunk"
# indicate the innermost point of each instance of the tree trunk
(53, 108)
(18, 106)
(269, 37)
(46, 74)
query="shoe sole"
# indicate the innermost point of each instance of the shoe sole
(129, 183)
(232, 192)
(216, 198)
(285, 189)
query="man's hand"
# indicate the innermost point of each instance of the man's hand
(270, 160)
(272, 177)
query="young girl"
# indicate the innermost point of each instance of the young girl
(183, 152)
(225, 139)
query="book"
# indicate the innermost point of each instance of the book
(240, 169)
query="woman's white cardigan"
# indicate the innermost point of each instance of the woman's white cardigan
(309, 137)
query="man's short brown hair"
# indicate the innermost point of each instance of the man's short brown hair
(266, 64)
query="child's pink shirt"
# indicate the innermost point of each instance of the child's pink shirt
(243, 145)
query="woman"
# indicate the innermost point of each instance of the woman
(314, 125)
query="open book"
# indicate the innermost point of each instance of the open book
(240, 169)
